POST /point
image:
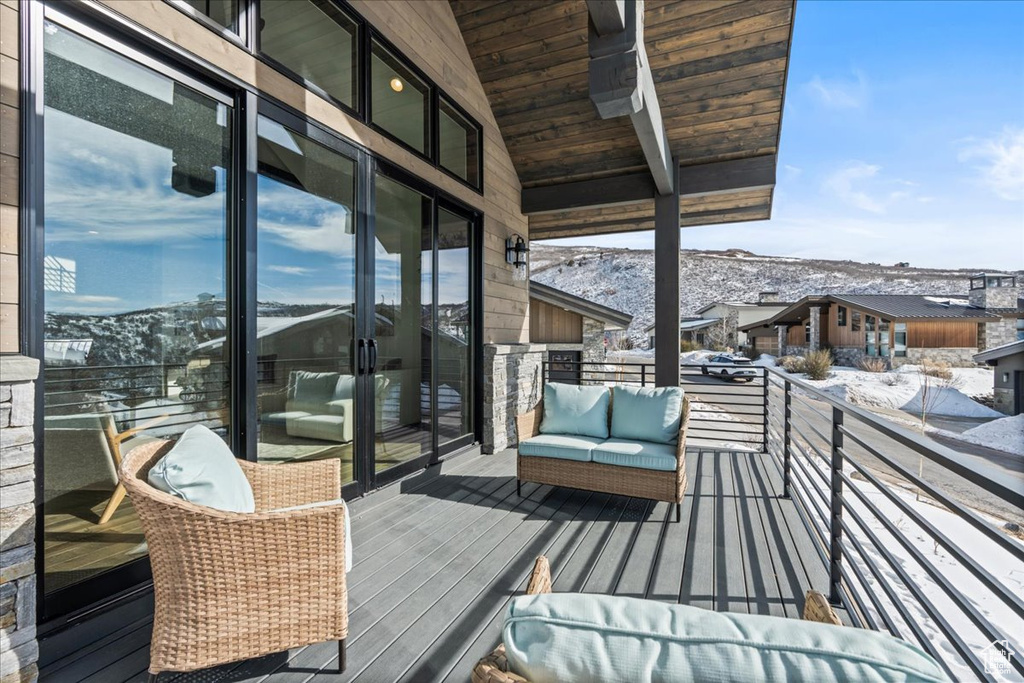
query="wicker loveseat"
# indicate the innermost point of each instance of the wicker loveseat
(655, 484)
(233, 586)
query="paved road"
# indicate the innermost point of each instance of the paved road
(810, 414)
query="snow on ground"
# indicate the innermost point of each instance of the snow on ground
(1004, 434)
(903, 390)
(1001, 564)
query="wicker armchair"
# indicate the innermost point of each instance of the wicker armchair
(595, 476)
(233, 586)
(494, 667)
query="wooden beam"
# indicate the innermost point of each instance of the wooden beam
(622, 189)
(609, 16)
(722, 177)
(666, 286)
(621, 84)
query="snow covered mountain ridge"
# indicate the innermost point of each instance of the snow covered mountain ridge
(623, 279)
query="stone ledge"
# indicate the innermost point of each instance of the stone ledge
(18, 369)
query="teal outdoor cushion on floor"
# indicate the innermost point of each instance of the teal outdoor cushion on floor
(642, 454)
(200, 468)
(575, 410)
(560, 446)
(571, 637)
(647, 413)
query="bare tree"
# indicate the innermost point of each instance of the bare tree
(936, 378)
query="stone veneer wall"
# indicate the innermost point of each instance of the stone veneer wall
(593, 341)
(512, 384)
(991, 335)
(19, 650)
(956, 357)
(1003, 399)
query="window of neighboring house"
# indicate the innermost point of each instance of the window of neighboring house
(315, 40)
(883, 337)
(855, 321)
(841, 316)
(899, 346)
(1020, 328)
(807, 333)
(870, 341)
(977, 283)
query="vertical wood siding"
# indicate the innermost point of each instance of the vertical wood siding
(9, 158)
(553, 325)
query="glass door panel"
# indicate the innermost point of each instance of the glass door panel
(454, 328)
(403, 309)
(136, 178)
(305, 300)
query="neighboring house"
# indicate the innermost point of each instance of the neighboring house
(574, 328)
(900, 327)
(735, 314)
(1008, 378)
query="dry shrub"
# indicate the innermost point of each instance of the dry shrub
(687, 345)
(791, 364)
(894, 379)
(818, 364)
(936, 369)
(872, 364)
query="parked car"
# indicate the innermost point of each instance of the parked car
(729, 367)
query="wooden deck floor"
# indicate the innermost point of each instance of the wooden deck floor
(438, 555)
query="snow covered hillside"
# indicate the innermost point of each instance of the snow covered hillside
(624, 278)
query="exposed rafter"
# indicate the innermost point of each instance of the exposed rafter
(721, 177)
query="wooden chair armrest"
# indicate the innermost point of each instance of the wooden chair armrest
(528, 423)
(540, 578)
(817, 608)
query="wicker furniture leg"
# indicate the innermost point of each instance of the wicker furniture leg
(341, 656)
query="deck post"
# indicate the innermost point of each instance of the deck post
(786, 431)
(836, 518)
(764, 424)
(666, 285)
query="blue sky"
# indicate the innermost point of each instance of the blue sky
(903, 139)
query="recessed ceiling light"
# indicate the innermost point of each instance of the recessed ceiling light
(397, 85)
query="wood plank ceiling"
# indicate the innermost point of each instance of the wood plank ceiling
(720, 69)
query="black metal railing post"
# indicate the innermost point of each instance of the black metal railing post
(787, 416)
(643, 374)
(836, 518)
(764, 412)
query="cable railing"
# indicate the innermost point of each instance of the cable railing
(902, 524)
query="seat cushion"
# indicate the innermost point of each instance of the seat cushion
(575, 410)
(574, 637)
(561, 446)
(647, 413)
(200, 468)
(642, 454)
(313, 387)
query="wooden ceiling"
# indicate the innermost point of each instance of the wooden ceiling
(720, 72)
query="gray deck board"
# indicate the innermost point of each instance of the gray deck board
(439, 555)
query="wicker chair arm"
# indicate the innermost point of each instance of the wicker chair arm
(494, 669)
(817, 608)
(528, 423)
(290, 484)
(684, 424)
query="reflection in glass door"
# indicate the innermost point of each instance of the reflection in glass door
(455, 332)
(401, 347)
(305, 308)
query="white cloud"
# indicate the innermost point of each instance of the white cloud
(290, 270)
(999, 161)
(844, 185)
(793, 171)
(840, 93)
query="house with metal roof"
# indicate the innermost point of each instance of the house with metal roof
(900, 327)
(1008, 378)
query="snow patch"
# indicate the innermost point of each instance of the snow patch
(1004, 434)
(946, 401)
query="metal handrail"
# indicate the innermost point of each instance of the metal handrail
(814, 469)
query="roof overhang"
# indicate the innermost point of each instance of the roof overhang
(570, 302)
(1011, 349)
(707, 80)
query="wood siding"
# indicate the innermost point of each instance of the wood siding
(943, 334)
(427, 33)
(796, 336)
(845, 336)
(553, 325)
(10, 337)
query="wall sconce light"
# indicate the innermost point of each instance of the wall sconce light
(516, 255)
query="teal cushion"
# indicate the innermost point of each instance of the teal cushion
(313, 387)
(577, 410)
(647, 414)
(560, 446)
(642, 454)
(201, 469)
(574, 637)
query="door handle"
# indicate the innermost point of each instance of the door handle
(360, 356)
(371, 344)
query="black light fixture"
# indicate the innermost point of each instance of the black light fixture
(516, 253)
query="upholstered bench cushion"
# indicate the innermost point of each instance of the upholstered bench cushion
(562, 446)
(647, 413)
(575, 410)
(201, 469)
(642, 454)
(573, 637)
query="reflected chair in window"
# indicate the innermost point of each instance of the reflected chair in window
(82, 453)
